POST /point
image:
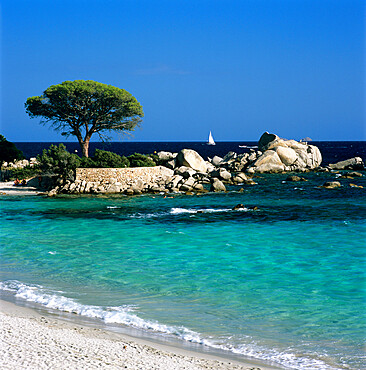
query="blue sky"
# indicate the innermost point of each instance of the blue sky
(237, 67)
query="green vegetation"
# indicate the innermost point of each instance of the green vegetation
(8, 151)
(106, 159)
(57, 160)
(23, 173)
(140, 160)
(82, 108)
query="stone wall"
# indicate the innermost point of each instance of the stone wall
(124, 176)
(115, 180)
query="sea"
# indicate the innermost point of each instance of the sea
(282, 284)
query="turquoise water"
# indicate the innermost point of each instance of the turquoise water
(284, 283)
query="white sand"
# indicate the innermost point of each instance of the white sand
(31, 341)
(8, 188)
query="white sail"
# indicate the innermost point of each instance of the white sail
(211, 140)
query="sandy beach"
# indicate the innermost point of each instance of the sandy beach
(32, 341)
(8, 188)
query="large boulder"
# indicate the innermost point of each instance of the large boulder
(190, 158)
(229, 157)
(266, 139)
(217, 185)
(284, 155)
(185, 171)
(176, 179)
(355, 163)
(188, 184)
(287, 156)
(216, 160)
(221, 173)
(269, 161)
(166, 156)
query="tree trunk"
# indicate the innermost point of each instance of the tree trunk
(85, 147)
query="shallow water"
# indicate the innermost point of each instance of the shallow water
(284, 283)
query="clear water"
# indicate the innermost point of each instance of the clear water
(284, 283)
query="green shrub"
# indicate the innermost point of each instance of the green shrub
(87, 162)
(57, 160)
(106, 159)
(8, 151)
(23, 173)
(140, 160)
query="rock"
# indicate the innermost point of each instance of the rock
(287, 155)
(176, 179)
(356, 186)
(331, 184)
(88, 186)
(170, 164)
(157, 189)
(269, 161)
(355, 174)
(237, 179)
(198, 187)
(238, 206)
(355, 163)
(52, 193)
(129, 191)
(166, 156)
(253, 156)
(294, 178)
(242, 176)
(228, 157)
(188, 184)
(190, 158)
(217, 185)
(210, 167)
(216, 160)
(185, 172)
(136, 190)
(314, 155)
(71, 187)
(266, 139)
(113, 189)
(221, 173)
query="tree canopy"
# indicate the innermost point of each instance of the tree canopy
(82, 108)
(8, 151)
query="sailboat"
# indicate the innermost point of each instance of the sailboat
(211, 140)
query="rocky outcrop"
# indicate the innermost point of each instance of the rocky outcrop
(188, 172)
(355, 163)
(190, 158)
(284, 155)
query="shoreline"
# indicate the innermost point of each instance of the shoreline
(7, 188)
(33, 339)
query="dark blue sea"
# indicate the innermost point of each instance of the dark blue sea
(283, 284)
(332, 151)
